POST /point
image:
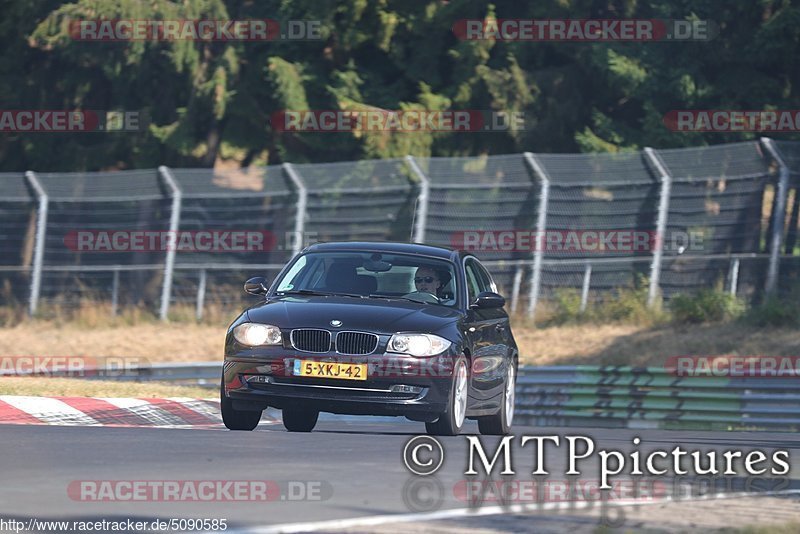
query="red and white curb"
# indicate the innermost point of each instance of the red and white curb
(174, 412)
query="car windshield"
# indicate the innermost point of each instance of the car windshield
(372, 275)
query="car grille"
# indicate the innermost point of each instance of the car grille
(356, 343)
(311, 340)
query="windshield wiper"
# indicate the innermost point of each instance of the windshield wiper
(304, 292)
(316, 293)
(390, 297)
(353, 295)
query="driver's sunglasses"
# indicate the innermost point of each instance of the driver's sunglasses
(426, 279)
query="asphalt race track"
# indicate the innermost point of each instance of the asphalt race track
(355, 467)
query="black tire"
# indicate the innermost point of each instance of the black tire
(237, 419)
(299, 419)
(500, 423)
(447, 424)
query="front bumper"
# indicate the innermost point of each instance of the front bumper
(417, 388)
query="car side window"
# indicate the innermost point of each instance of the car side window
(486, 282)
(473, 281)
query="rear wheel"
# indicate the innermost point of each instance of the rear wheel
(299, 419)
(499, 424)
(236, 419)
(452, 420)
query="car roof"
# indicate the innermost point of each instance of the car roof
(380, 246)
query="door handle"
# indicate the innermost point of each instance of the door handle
(499, 327)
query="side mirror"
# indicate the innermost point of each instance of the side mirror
(256, 286)
(487, 299)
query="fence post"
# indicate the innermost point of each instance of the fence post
(421, 214)
(201, 295)
(778, 216)
(115, 291)
(41, 235)
(515, 288)
(172, 241)
(587, 278)
(791, 233)
(541, 224)
(734, 276)
(302, 203)
(661, 223)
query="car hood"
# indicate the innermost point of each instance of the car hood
(371, 315)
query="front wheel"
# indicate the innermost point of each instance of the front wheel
(299, 419)
(499, 424)
(452, 420)
(236, 419)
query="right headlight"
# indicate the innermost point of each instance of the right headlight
(418, 344)
(256, 334)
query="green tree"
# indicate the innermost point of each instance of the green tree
(209, 103)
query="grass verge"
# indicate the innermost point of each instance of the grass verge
(785, 528)
(75, 387)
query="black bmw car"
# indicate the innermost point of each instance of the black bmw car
(373, 329)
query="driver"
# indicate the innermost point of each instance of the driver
(427, 280)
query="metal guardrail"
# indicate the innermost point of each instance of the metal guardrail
(201, 374)
(204, 374)
(652, 397)
(600, 396)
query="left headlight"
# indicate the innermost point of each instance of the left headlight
(418, 344)
(255, 334)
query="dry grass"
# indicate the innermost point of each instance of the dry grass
(92, 313)
(634, 345)
(155, 342)
(611, 344)
(573, 343)
(785, 528)
(74, 387)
